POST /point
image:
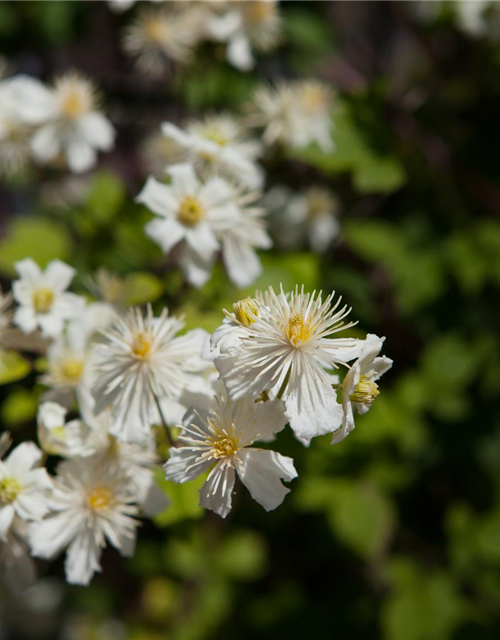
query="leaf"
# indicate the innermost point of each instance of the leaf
(142, 287)
(184, 502)
(13, 367)
(243, 556)
(34, 237)
(19, 407)
(106, 196)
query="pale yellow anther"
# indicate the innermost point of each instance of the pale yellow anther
(258, 11)
(141, 345)
(72, 369)
(246, 311)
(223, 442)
(366, 391)
(100, 498)
(297, 330)
(9, 489)
(43, 299)
(214, 135)
(190, 211)
(75, 103)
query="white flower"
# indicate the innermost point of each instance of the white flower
(143, 361)
(42, 297)
(17, 568)
(91, 505)
(189, 212)
(159, 35)
(282, 345)
(23, 486)
(14, 131)
(359, 388)
(240, 241)
(221, 442)
(248, 24)
(58, 437)
(295, 114)
(219, 145)
(71, 125)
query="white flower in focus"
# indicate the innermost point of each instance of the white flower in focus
(221, 442)
(70, 124)
(190, 213)
(24, 486)
(42, 297)
(91, 505)
(218, 145)
(159, 35)
(247, 25)
(359, 387)
(295, 114)
(283, 345)
(17, 568)
(142, 360)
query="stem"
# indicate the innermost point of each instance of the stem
(171, 441)
(285, 382)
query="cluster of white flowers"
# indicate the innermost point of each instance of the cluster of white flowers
(51, 124)
(171, 31)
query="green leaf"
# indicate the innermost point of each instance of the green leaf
(184, 504)
(34, 237)
(13, 367)
(243, 556)
(19, 407)
(142, 287)
(106, 196)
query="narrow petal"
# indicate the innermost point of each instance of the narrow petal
(216, 493)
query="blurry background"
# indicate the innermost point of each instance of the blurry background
(394, 534)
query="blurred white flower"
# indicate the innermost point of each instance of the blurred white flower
(159, 35)
(91, 505)
(295, 114)
(17, 568)
(42, 297)
(284, 347)
(70, 123)
(140, 362)
(190, 213)
(359, 387)
(221, 441)
(14, 132)
(247, 25)
(58, 437)
(24, 486)
(219, 145)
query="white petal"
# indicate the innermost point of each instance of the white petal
(184, 180)
(29, 271)
(159, 198)
(166, 233)
(182, 466)
(6, 518)
(59, 275)
(23, 458)
(242, 263)
(197, 271)
(216, 493)
(46, 143)
(97, 130)
(260, 471)
(82, 560)
(239, 53)
(80, 154)
(26, 319)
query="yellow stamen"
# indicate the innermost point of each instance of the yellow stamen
(43, 299)
(258, 11)
(75, 103)
(59, 433)
(100, 498)
(9, 489)
(190, 211)
(224, 442)
(155, 30)
(216, 136)
(366, 391)
(298, 331)
(72, 369)
(141, 345)
(245, 311)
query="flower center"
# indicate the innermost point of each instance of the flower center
(100, 498)
(298, 331)
(43, 299)
(74, 104)
(141, 345)
(59, 433)
(246, 311)
(314, 99)
(155, 31)
(214, 135)
(224, 443)
(258, 12)
(72, 370)
(365, 392)
(190, 211)
(9, 489)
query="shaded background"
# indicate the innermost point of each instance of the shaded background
(394, 534)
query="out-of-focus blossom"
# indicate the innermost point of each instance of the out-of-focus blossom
(311, 216)
(246, 26)
(142, 361)
(91, 505)
(24, 487)
(42, 297)
(17, 568)
(295, 114)
(161, 35)
(359, 387)
(219, 145)
(221, 442)
(14, 132)
(284, 348)
(70, 124)
(58, 437)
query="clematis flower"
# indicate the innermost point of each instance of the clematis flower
(42, 297)
(284, 346)
(359, 388)
(221, 442)
(90, 506)
(143, 361)
(24, 487)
